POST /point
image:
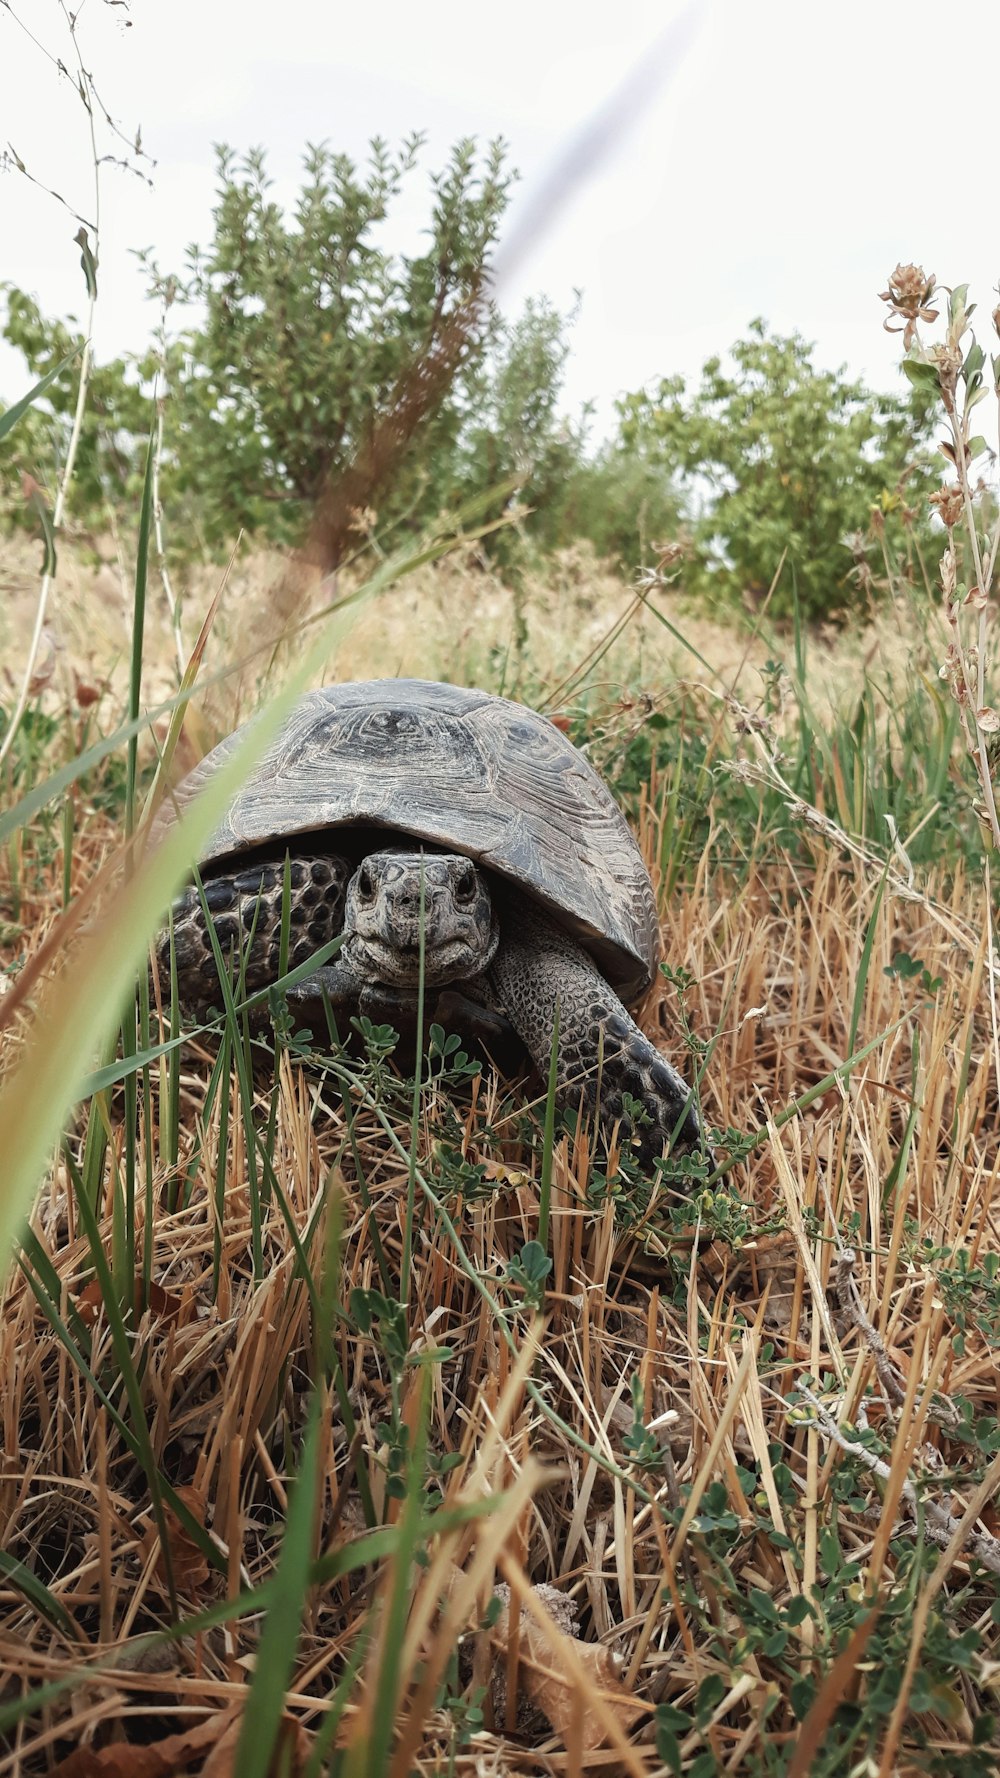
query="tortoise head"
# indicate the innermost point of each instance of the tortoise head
(382, 918)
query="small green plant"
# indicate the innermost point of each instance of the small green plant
(640, 1445)
(447, 1063)
(526, 1273)
(908, 969)
(951, 374)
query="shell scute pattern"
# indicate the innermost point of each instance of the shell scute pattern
(465, 771)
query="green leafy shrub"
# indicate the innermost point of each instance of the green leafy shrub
(313, 330)
(782, 462)
(311, 335)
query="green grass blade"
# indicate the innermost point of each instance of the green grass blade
(225, 1067)
(76, 1354)
(11, 415)
(45, 1603)
(365, 1552)
(370, 1755)
(42, 511)
(116, 1312)
(119, 1070)
(34, 1256)
(78, 1012)
(236, 1023)
(418, 1068)
(138, 633)
(24, 811)
(279, 1637)
(315, 1766)
(548, 1139)
(17, 1709)
(335, 618)
(804, 1100)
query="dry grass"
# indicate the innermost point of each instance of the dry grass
(226, 1355)
(819, 1270)
(453, 620)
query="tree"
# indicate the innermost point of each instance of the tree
(620, 502)
(318, 360)
(777, 458)
(511, 425)
(317, 343)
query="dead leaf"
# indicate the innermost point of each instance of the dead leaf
(559, 1697)
(45, 662)
(189, 1564)
(161, 1759)
(161, 1304)
(291, 1751)
(89, 1302)
(87, 694)
(556, 1692)
(500, 1173)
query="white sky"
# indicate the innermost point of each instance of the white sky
(791, 154)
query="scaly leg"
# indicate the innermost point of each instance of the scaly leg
(601, 1049)
(249, 900)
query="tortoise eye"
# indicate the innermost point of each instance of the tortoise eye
(465, 886)
(366, 888)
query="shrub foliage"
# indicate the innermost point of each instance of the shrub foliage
(304, 338)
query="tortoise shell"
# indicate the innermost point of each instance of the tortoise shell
(463, 770)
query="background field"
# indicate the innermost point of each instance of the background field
(808, 1336)
(361, 1421)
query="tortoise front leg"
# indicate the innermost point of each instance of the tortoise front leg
(245, 908)
(602, 1054)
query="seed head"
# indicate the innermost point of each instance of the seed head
(951, 672)
(908, 296)
(948, 359)
(950, 665)
(949, 503)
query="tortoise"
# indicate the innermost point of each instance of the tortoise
(404, 800)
